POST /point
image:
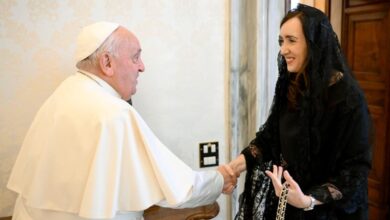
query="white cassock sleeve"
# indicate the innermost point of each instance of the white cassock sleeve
(202, 192)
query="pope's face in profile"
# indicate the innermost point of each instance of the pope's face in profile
(127, 64)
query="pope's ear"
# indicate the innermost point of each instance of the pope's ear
(105, 63)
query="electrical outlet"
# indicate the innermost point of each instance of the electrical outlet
(208, 154)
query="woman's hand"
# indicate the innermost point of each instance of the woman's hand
(295, 196)
(238, 165)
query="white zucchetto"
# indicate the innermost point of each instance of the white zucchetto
(92, 37)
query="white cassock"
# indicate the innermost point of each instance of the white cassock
(89, 154)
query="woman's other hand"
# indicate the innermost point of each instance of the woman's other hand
(295, 196)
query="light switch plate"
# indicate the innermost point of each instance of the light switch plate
(208, 154)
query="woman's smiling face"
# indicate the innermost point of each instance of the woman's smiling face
(293, 46)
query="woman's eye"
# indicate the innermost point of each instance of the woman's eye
(292, 39)
(280, 42)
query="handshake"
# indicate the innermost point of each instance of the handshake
(231, 172)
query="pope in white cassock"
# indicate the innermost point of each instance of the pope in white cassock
(89, 155)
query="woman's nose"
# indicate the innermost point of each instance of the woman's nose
(284, 50)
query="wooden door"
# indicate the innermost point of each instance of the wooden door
(365, 41)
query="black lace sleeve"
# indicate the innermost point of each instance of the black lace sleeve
(252, 156)
(265, 145)
(326, 193)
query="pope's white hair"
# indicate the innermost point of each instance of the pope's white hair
(110, 45)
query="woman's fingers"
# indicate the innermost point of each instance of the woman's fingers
(290, 180)
(280, 172)
(276, 178)
(270, 175)
(229, 190)
(274, 175)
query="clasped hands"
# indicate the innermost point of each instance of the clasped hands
(229, 177)
(231, 172)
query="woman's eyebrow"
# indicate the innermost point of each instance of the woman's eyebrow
(291, 37)
(288, 37)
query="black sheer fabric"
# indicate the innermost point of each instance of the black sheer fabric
(325, 142)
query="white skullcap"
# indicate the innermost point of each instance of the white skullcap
(91, 37)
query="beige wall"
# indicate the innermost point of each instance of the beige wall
(320, 4)
(181, 95)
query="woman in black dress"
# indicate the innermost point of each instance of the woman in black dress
(316, 140)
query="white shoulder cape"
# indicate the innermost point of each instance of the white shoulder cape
(90, 153)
